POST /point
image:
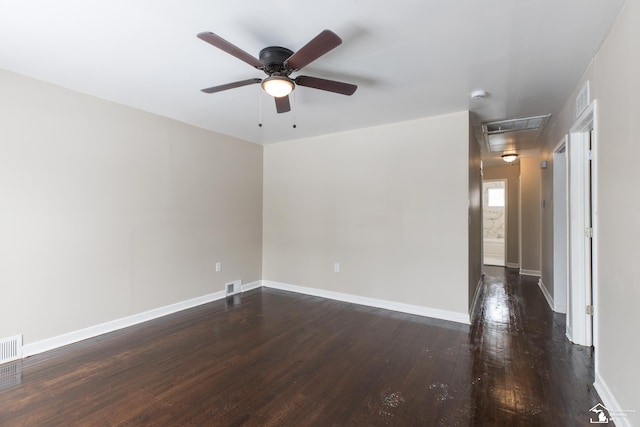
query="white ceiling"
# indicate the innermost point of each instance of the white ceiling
(409, 58)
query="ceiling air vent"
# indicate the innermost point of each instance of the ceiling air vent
(514, 134)
(516, 125)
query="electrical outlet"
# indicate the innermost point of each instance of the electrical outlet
(218, 267)
(336, 267)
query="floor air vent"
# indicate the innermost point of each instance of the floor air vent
(10, 349)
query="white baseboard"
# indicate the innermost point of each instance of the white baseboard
(476, 297)
(560, 308)
(617, 414)
(569, 333)
(114, 325)
(373, 302)
(513, 265)
(546, 293)
(251, 286)
(530, 272)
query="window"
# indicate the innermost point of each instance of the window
(496, 197)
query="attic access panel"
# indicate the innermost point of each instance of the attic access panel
(514, 134)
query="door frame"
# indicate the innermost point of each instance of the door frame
(560, 227)
(583, 250)
(505, 182)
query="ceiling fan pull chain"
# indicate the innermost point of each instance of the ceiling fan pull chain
(259, 108)
(294, 110)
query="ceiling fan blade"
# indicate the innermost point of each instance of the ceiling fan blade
(282, 104)
(233, 85)
(318, 46)
(222, 44)
(328, 85)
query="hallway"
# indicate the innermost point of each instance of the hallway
(532, 374)
(284, 359)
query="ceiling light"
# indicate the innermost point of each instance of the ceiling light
(509, 157)
(278, 86)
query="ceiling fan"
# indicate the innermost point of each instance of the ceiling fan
(279, 63)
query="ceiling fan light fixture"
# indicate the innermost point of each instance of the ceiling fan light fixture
(278, 86)
(509, 157)
(278, 63)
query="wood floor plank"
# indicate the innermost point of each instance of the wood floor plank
(273, 358)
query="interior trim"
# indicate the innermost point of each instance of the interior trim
(546, 294)
(530, 272)
(616, 413)
(114, 325)
(451, 316)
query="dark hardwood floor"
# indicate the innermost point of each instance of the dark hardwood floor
(272, 358)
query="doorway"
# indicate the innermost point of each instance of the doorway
(582, 230)
(494, 220)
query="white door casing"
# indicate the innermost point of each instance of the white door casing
(582, 227)
(560, 231)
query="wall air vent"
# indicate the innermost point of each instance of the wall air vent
(10, 349)
(233, 288)
(582, 100)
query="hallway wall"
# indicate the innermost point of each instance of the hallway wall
(475, 264)
(530, 215)
(615, 86)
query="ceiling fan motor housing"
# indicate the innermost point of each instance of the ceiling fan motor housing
(273, 58)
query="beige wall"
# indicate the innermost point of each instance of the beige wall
(389, 203)
(107, 211)
(511, 173)
(614, 84)
(475, 213)
(530, 215)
